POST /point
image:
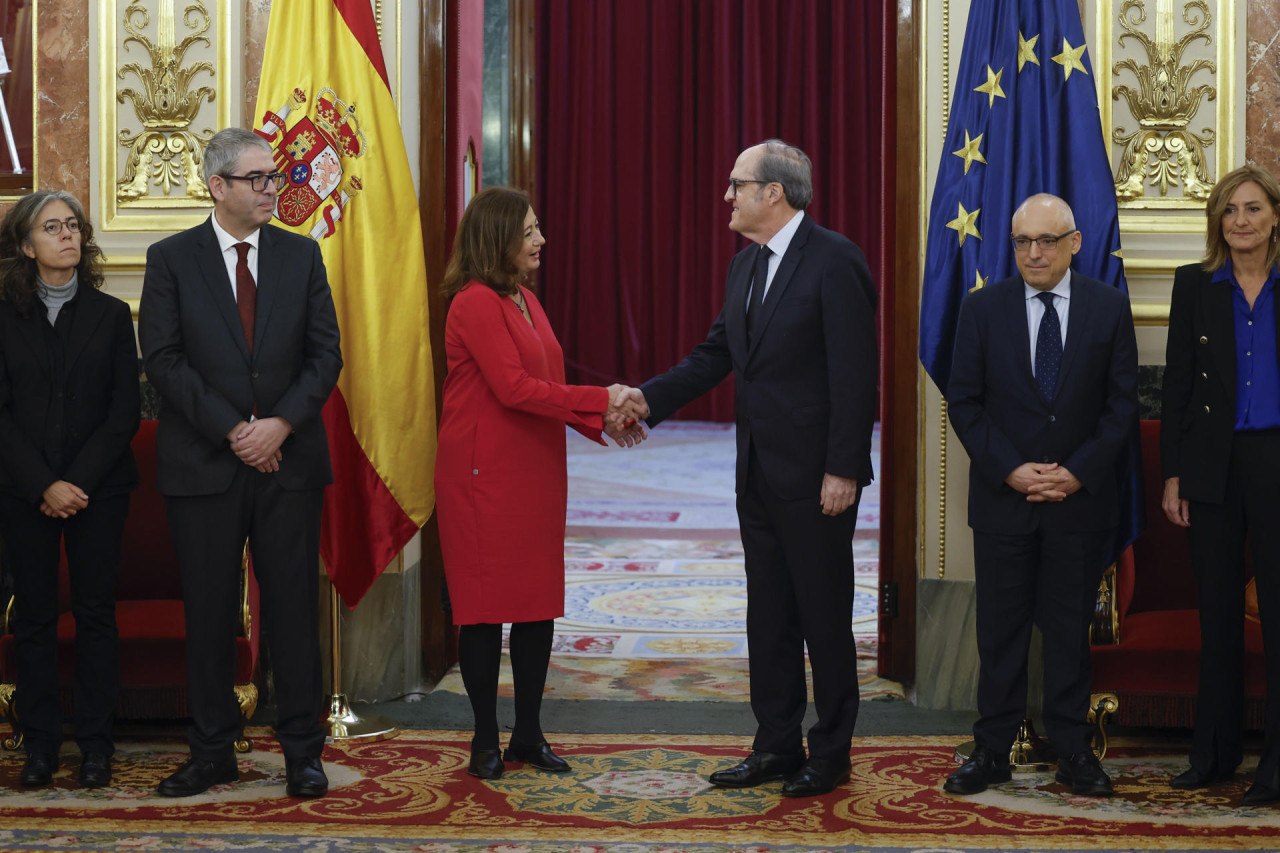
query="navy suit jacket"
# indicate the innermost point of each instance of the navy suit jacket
(806, 386)
(1003, 420)
(195, 354)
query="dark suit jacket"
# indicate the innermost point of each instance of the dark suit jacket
(806, 387)
(1198, 399)
(195, 354)
(1003, 420)
(101, 399)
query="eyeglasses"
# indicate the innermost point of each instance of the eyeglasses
(258, 183)
(54, 226)
(1046, 243)
(735, 184)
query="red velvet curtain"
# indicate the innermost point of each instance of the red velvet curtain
(643, 106)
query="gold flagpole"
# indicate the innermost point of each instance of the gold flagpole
(343, 723)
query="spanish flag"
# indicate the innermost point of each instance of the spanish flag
(327, 109)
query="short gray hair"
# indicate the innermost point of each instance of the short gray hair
(787, 165)
(225, 148)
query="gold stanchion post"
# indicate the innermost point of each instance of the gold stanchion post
(343, 724)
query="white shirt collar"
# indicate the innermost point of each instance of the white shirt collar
(778, 245)
(1062, 288)
(226, 241)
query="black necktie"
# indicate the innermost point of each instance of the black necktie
(758, 282)
(1048, 348)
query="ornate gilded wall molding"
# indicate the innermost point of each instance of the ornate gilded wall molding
(164, 72)
(1167, 90)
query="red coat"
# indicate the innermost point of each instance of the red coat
(501, 483)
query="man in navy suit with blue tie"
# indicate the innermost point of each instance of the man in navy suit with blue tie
(1043, 394)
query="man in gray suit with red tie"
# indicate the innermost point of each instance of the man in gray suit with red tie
(240, 337)
(1043, 394)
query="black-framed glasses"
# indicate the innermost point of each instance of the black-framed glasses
(735, 184)
(1046, 243)
(53, 227)
(258, 183)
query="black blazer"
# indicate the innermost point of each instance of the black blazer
(1198, 398)
(195, 354)
(100, 395)
(806, 387)
(1003, 420)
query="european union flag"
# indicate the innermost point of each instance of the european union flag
(1024, 120)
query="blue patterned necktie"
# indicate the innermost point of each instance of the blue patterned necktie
(1048, 348)
(758, 282)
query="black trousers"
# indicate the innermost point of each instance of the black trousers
(800, 585)
(283, 528)
(1050, 579)
(1217, 541)
(32, 543)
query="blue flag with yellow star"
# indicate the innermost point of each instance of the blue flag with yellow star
(1024, 120)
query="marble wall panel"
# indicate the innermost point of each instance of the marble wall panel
(256, 13)
(1262, 92)
(62, 99)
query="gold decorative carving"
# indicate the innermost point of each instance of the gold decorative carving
(247, 699)
(1164, 151)
(166, 153)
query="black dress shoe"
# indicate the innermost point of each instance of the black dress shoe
(38, 771)
(982, 769)
(304, 777)
(1190, 780)
(756, 769)
(198, 776)
(95, 770)
(817, 776)
(486, 764)
(1084, 774)
(1261, 794)
(539, 756)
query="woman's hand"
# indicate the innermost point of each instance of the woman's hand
(627, 434)
(63, 500)
(1177, 510)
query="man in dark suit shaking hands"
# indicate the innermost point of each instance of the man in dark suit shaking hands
(240, 338)
(798, 333)
(1043, 395)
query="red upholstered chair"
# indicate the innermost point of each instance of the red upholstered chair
(1146, 632)
(149, 615)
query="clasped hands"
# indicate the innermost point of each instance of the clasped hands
(257, 443)
(622, 420)
(1043, 482)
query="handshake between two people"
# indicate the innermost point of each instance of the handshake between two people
(622, 421)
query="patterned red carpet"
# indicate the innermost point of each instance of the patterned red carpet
(628, 793)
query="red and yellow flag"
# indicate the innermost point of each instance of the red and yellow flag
(327, 110)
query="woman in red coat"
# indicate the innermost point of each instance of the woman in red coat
(501, 482)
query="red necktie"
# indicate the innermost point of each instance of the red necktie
(246, 292)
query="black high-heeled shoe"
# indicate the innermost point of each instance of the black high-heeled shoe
(485, 764)
(539, 756)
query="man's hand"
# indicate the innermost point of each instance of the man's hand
(257, 444)
(630, 403)
(63, 500)
(627, 434)
(838, 494)
(1055, 485)
(1175, 508)
(1028, 474)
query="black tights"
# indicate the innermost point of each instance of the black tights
(479, 656)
